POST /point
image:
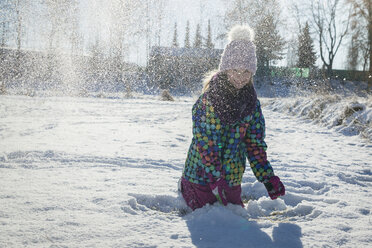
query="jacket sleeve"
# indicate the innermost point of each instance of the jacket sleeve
(256, 146)
(207, 136)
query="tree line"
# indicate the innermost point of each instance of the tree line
(199, 40)
(45, 40)
(327, 24)
(54, 27)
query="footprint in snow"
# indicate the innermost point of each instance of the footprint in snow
(159, 203)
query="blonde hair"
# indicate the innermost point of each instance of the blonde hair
(208, 77)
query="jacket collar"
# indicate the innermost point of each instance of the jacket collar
(230, 104)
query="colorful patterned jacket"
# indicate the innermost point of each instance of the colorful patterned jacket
(219, 149)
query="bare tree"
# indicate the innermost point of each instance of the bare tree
(19, 24)
(61, 19)
(297, 13)
(14, 15)
(158, 11)
(61, 35)
(326, 22)
(6, 9)
(239, 13)
(362, 33)
(152, 14)
(125, 22)
(75, 37)
(13, 19)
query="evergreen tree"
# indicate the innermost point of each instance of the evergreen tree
(269, 43)
(306, 53)
(198, 38)
(175, 36)
(209, 43)
(264, 18)
(187, 35)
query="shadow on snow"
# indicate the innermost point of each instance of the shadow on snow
(219, 228)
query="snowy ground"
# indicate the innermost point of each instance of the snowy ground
(86, 172)
(348, 115)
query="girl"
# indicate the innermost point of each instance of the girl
(228, 127)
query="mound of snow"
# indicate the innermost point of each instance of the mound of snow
(264, 207)
(348, 115)
(162, 203)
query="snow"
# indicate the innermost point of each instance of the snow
(350, 115)
(94, 172)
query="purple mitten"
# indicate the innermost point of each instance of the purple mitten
(275, 187)
(218, 190)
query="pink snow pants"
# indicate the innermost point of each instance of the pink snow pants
(196, 195)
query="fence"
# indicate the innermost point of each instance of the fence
(316, 73)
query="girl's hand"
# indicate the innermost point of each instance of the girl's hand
(275, 187)
(218, 190)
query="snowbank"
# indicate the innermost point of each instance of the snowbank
(349, 115)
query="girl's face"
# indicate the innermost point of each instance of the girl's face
(239, 77)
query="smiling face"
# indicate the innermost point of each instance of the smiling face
(239, 77)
